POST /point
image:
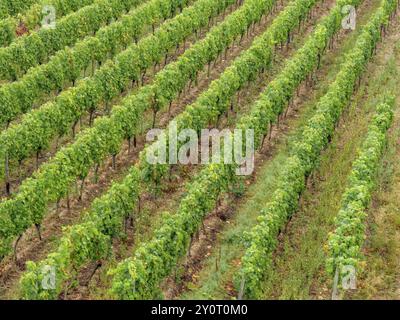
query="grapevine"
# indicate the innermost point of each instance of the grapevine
(52, 181)
(305, 154)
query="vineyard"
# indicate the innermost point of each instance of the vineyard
(199, 149)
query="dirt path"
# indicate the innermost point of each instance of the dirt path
(208, 274)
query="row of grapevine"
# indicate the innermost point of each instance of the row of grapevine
(280, 92)
(36, 48)
(37, 128)
(154, 260)
(54, 178)
(89, 240)
(139, 277)
(304, 155)
(14, 7)
(344, 244)
(67, 65)
(63, 259)
(33, 17)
